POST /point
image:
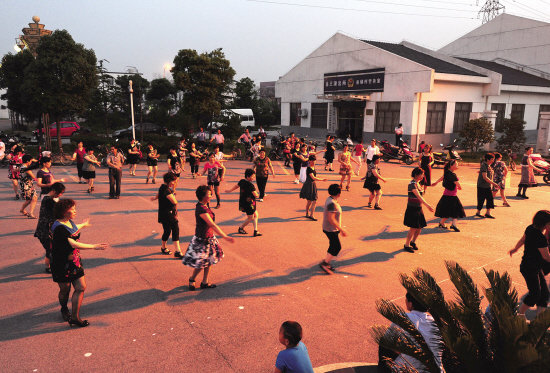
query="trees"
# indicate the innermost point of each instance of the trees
(61, 79)
(471, 340)
(203, 79)
(12, 75)
(477, 133)
(513, 135)
(246, 95)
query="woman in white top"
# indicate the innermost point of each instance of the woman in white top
(371, 151)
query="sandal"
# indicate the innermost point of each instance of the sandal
(192, 285)
(312, 218)
(207, 286)
(31, 216)
(165, 251)
(25, 213)
(347, 188)
(92, 189)
(241, 231)
(442, 226)
(506, 204)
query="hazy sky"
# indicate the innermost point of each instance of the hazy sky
(262, 39)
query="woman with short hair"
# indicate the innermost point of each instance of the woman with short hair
(66, 263)
(168, 214)
(28, 194)
(527, 174)
(88, 169)
(204, 250)
(133, 157)
(45, 178)
(345, 165)
(16, 159)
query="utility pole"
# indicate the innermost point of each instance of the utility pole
(490, 10)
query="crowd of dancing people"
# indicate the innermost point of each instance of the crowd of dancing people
(60, 235)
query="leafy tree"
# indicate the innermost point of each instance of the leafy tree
(246, 95)
(513, 135)
(477, 133)
(471, 341)
(12, 74)
(62, 78)
(203, 79)
(161, 95)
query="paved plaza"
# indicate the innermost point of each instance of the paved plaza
(143, 318)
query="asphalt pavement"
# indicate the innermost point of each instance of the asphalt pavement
(143, 317)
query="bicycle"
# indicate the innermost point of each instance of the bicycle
(62, 158)
(511, 157)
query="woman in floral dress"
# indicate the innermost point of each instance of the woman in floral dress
(26, 184)
(345, 160)
(15, 158)
(500, 172)
(204, 249)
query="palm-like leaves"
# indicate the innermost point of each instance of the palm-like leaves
(470, 342)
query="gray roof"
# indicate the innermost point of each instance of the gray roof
(438, 65)
(509, 74)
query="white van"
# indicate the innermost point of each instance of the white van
(247, 116)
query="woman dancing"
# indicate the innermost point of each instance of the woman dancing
(152, 163)
(329, 155)
(28, 194)
(501, 171)
(66, 263)
(414, 217)
(204, 250)
(449, 206)
(371, 182)
(426, 162)
(309, 189)
(215, 172)
(527, 174)
(345, 166)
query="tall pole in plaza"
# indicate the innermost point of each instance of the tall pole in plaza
(132, 110)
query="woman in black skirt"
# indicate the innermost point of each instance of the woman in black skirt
(449, 206)
(329, 155)
(309, 189)
(133, 157)
(414, 217)
(535, 262)
(371, 182)
(426, 162)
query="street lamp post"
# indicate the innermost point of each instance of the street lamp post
(132, 109)
(167, 66)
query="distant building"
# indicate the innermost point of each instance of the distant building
(365, 88)
(267, 90)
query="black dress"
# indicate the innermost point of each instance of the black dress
(309, 189)
(329, 154)
(425, 165)
(449, 206)
(133, 158)
(371, 181)
(65, 261)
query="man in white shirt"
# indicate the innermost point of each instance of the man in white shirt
(371, 151)
(398, 134)
(201, 137)
(425, 324)
(219, 140)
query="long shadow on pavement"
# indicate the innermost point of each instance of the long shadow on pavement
(41, 320)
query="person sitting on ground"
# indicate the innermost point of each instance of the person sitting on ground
(295, 357)
(425, 324)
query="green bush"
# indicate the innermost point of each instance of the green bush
(513, 135)
(476, 133)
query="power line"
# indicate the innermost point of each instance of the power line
(523, 7)
(355, 10)
(415, 6)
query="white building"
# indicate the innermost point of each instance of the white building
(366, 88)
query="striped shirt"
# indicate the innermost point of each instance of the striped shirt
(413, 201)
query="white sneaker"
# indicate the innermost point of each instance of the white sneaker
(296, 182)
(260, 200)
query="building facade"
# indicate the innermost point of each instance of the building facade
(366, 88)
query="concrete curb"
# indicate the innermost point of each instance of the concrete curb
(347, 368)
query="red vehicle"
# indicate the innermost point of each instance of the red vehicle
(67, 129)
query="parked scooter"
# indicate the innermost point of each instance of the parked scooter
(401, 153)
(541, 164)
(440, 158)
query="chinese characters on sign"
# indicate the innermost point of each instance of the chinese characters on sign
(355, 81)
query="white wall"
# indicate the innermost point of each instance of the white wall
(521, 40)
(532, 103)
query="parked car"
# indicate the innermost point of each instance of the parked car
(147, 128)
(67, 129)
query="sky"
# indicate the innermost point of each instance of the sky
(262, 39)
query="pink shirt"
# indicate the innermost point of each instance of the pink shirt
(358, 150)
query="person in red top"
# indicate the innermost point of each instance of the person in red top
(78, 155)
(204, 249)
(358, 155)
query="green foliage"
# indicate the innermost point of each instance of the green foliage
(246, 95)
(231, 126)
(203, 79)
(476, 133)
(161, 95)
(470, 342)
(12, 75)
(513, 135)
(61, 79)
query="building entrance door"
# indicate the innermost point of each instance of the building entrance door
(350, 122)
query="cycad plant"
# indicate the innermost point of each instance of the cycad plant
(471, 340)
